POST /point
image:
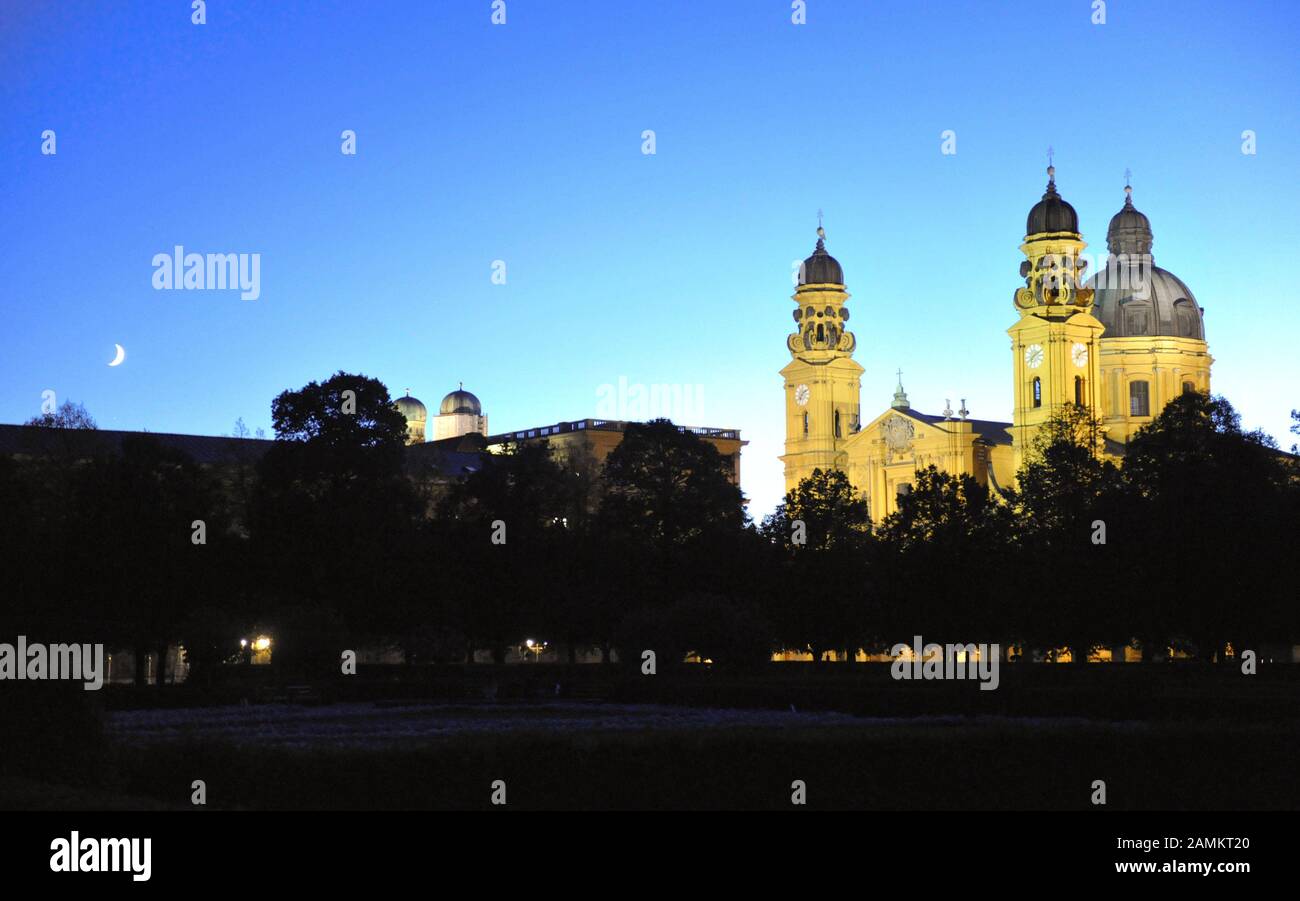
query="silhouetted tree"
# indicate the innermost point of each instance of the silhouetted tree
(142, 570)
(667, 499)
(1215, 505)
(668, 486)
(823, 528)
(67, 416)
(944, 558)
(333, 514)
(1065, 486)
(511, 542)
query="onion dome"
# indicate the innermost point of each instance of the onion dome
(1052, 213)
(460, 401)
(821, 268)
(411, 407)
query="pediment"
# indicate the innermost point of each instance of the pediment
(898, 429)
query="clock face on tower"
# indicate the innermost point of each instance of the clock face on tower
(801, 395)
(1080, 354)
(1034, 356)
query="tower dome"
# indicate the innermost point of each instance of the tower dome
(459, 414)
(411, 408)
(1129, 230)
(416, 415)
(1052, 213)
(821, 268)
(460, 401)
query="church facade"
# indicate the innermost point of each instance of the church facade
(1122, 342)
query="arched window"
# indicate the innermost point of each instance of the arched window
(805, 423)
(1038, 392)
(837, 423)
(1078, 390)
(1189, 387)
(1184, 319)
(1139, 399)
(821, 332)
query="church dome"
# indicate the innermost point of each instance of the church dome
(411, 407)
(460, 401)
(1136, 298)
(821, 268)
(1128, 308)
(1052, 213)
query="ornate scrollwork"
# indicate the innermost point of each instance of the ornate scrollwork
(897, 433)
(1053, 280)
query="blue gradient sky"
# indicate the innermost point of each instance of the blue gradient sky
(523, 143)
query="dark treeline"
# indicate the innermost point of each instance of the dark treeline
(326, 543)
(1188, 546)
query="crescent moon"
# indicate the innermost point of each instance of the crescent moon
(121, 355)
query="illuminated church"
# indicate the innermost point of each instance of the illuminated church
(1123, 342)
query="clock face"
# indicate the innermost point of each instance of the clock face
(1080, 354)
(801, 395)
(1034, 356)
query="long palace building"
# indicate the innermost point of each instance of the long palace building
(461, 429)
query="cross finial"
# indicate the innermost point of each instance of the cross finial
(1051, 154)
(1128, 178)
(900, 396)
(408, 392)
(819, 217)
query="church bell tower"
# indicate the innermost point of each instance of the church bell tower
(1054, 346)
(822, 380)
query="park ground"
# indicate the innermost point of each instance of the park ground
(1161, 737)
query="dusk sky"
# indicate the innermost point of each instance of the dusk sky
(523, 143)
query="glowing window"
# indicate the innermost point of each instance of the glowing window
(1139, 399)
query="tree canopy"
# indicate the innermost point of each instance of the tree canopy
(328, 541)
